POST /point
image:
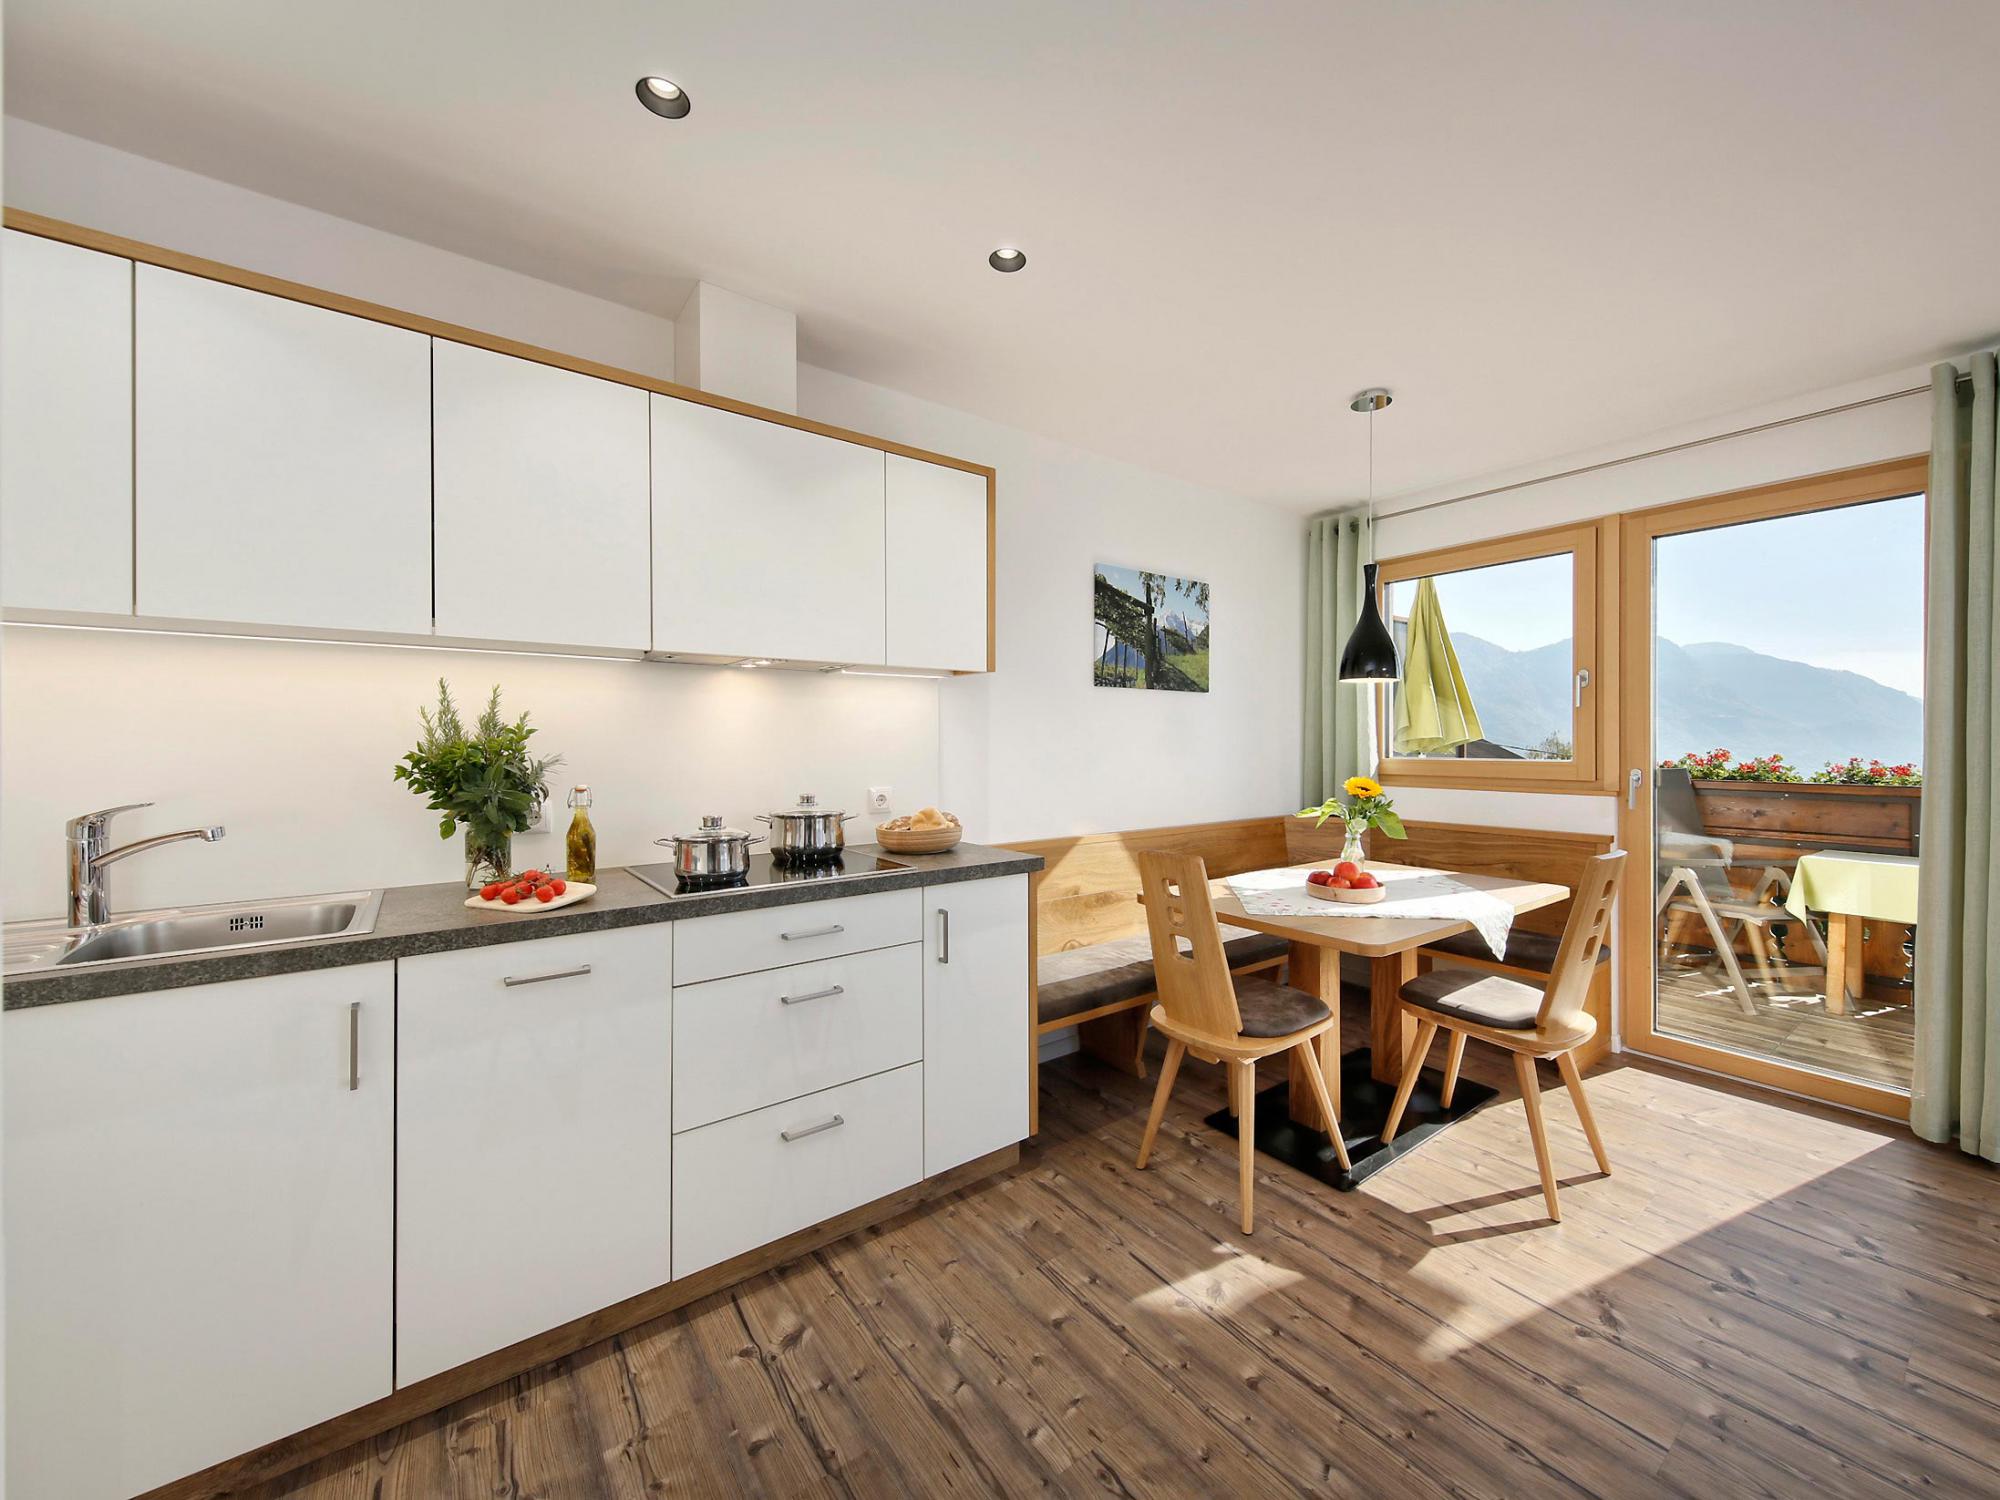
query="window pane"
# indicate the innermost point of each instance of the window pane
(1511, 628)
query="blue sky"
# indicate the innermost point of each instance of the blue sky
(1837, 588)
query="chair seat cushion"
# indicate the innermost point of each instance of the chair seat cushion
(1272, 1009)
(1486, 999)
(1525, 950)
(1084, 979)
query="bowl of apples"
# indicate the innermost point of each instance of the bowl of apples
(1346, 882)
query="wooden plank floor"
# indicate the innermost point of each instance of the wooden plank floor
(1874, 1041)
(1767, 1298)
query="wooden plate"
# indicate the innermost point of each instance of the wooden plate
(572, 894)
(918, 840)
(1348, 898)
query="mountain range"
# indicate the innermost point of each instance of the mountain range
(1710, 695)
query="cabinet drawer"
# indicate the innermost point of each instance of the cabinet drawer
(743, 942)
(740, 1183)
(757, 1039)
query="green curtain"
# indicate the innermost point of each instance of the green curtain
(1336, 729)
(1433, 705)
(1956, 1088)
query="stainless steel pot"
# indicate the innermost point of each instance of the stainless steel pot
(715, 853)
(806, 834)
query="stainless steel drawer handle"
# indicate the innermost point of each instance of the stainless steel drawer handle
(944, 936)
(825, 994)
(810, 932)
(577, 973)
(798, 1135)
(353, 1046)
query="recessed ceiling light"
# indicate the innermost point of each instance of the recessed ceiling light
(1007, 258)
(664, 97)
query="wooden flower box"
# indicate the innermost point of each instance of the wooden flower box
(1880, 818)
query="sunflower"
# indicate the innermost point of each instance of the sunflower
(1362, 786)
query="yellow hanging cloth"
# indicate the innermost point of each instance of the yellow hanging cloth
(1434, 709)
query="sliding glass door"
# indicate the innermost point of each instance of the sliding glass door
(1773, 732)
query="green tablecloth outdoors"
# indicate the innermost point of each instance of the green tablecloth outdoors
(1882, 886)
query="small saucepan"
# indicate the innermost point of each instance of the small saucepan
(715, 853)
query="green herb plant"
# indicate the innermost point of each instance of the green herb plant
(485, 780)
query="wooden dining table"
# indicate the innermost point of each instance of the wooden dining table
(1390, 945)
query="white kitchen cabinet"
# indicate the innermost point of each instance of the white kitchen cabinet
(767, 540)
(283, 461)
(66, 410)
(976, 1008)
(740, 942)
(199, 1224)
(937, 566)
(543, 531)
(746, 1181)
(534, 1138)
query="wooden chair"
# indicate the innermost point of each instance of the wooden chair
(1236, 1022)
(1529, 1021)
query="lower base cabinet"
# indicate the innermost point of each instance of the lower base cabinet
(977, 1003)
(533, 1138)
(758, 1177)
(199, 1234)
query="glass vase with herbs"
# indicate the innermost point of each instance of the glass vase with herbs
(482, 779)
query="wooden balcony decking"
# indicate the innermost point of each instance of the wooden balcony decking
(1872, 1042)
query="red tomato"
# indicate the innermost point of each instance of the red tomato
(545, 893)
(1347, 869)
(558, 886)
(531, 874)
(489, 891)
(511, 895)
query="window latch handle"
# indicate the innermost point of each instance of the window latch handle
(1582, 682)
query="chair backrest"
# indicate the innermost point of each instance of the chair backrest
(1674, 803)
(1190, 970)
(1576, 958)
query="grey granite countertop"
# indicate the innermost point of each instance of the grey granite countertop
(434, 919)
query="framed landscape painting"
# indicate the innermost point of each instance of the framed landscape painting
(1151, 630)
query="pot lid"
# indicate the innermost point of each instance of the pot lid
(713, 832)
(808, 808)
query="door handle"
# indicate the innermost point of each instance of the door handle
(1632, 789)
(353, 1046)
(824, 994)
(577, 973)
(944, 936)
(811, 932)
(798, 1135)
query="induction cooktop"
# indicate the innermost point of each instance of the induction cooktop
(765, 871)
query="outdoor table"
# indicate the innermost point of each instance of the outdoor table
(1850, 887)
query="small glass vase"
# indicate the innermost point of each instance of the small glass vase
(488, 857)
(1352, 849)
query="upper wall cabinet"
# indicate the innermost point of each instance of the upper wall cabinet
(542, 496)
(66, 409)
(767, 540)
(937, 566)
(283, 463)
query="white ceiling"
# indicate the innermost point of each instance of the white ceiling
(1548, 224)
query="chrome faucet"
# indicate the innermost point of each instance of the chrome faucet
(89, 901)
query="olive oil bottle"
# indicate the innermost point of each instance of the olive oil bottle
(581, 844)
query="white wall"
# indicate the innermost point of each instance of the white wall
(1885, 429)
(290, 745)
(1036, 750)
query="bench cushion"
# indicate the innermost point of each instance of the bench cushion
(1525, 950)
(1083, 979)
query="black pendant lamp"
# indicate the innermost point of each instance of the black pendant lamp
(1370, 655)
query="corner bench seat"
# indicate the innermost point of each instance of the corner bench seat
(1531, 952)
(1079, 981)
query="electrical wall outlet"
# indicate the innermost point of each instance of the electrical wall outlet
(541, 823)
(878, 798)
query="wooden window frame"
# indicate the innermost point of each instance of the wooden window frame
(1593, 767)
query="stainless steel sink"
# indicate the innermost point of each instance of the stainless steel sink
(194, 929)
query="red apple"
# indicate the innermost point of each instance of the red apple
(1364, 882)
(1341, 883)
(1347, 869)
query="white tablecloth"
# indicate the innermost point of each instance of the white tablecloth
(1411, 893)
